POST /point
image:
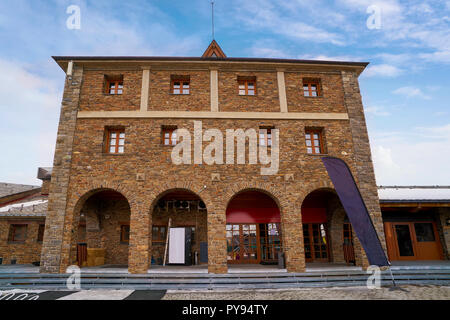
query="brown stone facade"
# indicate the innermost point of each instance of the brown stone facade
(22, 252)
(145, 172)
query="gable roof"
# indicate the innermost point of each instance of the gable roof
(8, 189)
(214, 51)
(423, 194)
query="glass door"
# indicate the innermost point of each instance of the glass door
(242, 243)
(316, 242)
(404, 241)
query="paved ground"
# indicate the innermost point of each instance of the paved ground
(354, 293)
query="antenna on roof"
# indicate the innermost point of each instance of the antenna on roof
(212, 18)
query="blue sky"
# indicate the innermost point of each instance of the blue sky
(406, 88)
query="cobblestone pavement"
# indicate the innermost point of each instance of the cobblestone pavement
(353, 293)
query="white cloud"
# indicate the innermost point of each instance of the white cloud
(382, 70)
(418, 159)
(267, 15)
(30, 109)
(411, 92)
(377, 111)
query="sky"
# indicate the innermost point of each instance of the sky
(405, 89)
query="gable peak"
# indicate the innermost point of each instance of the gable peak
(214, 51)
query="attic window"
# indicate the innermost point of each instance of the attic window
(180, 85)
(114, 85)
(311, 88)
(246, 86)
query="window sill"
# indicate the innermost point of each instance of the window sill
(311, 97)
(124, 243)
(179, 94)
(115, 154)
(317, 154)
(16, 242)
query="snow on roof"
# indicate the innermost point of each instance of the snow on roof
(29, 208)
(414, 193)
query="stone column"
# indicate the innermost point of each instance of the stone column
(139, 251)
(217, 241)
(444, 214)
(282, 91)
(292, 234)
(214, 75)
(145, 89)
(364, 172)
(55, 220)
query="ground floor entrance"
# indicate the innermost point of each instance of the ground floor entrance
(253, 243)
(412, 240)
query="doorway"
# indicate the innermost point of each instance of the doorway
(242, 243)
(316, 242)
(417, 240)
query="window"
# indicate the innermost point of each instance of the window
(169, 136)
(265, 136)
(424, 232)
(17, 233)
(116, 140)
(180, 85)
(125, 233)
(41, 230)
(159, 234)
(311, 88)
(313, 140)
(114, 85)
(247, 86)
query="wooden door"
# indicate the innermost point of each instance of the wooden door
(427, 242)
(243, 243)
(349, 251)
(315, 242)
(416, 240)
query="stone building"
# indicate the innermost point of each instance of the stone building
(114, 184)
(22, 220)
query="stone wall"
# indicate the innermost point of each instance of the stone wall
(331, 98)
(55, 221)
(161, 99)
(444, 214)
(23, 252)
(94, 96)
(265, 99)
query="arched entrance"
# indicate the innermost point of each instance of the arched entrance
(327, 233)
(102, 234)
(253, 229)
(184, 209)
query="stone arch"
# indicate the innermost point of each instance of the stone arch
(310, 188)
(198, 189)
(265, 188)
(73, 212)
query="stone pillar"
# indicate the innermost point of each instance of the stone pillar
(140, 247)
(55, 221)
(336, 237)
(444, 214)
(364, 172)
(217, 241)
(282, 91)
(292, 234)
(214, 74)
